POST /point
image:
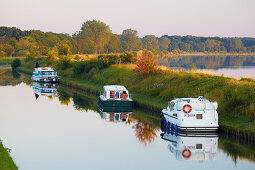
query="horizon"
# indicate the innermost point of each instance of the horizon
(120, 33)
(200, 18)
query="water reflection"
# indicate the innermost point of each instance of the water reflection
(44, 89)
(115, 117)
(208, 62)
(9, 77)
(230, 66)
(196, 148)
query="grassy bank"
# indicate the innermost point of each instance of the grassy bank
(236, 98)
(6, 162)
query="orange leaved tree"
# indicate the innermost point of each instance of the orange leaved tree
(147, 63)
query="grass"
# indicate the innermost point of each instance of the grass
(8, 60)
(6, 162)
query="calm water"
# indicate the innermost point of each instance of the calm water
(229, 66)
(63, 130)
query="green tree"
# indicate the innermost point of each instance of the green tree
(64, 50)
(114, 44)
(16, 63)
(130, 41)
(212, 45)
(164, 43)
(93, 35)
(150, 42)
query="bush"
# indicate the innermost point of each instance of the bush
(127, 58)
(86, 66)
(147, 63)
(64, 62)
(16, 63)
(64, 50)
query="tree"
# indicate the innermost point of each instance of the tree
(212, 45)
(130, 41)
(150, 42)
(114, 44)
(16, 63)
(164, 43)
(64, 50)
(236, 45)
(94, 35)
(8, 49)
(147, 63)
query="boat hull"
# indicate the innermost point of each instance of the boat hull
(115, 105)
(171, 123)
(48, 79)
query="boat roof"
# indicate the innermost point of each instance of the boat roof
(114, 88)
(200, 98)
(44, 69)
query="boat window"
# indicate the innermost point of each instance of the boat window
(186, 100)
(175, 114)
(199, 116)
(171, 106)
(47, 73)
(198, 146)
(117, 94)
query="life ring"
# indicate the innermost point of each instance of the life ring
(184, 108)
(186, 153)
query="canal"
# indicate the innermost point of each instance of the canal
(53, 127)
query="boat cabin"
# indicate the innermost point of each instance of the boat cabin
(44, 71)
(115, 92)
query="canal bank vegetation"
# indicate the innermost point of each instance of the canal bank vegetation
(6, 162)
(236, 98)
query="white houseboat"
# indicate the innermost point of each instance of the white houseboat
(115, 98)
(192, 148)
(44, 89)
(44, 74)
(191, 115)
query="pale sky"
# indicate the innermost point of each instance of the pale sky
(223, 18)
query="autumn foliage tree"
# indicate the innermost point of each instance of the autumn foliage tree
(147, 63)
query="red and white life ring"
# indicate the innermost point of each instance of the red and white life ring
(185, 108)
(186, 153)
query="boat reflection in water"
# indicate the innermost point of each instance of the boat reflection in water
(196, 147)
(44, 89)
(115, 116)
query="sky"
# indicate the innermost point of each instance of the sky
(223, 18)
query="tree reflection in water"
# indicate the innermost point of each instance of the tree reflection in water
(145, 133)
(64, 98)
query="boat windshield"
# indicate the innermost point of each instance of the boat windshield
(171, 106)
(47, 73)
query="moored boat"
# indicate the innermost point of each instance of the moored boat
(115, 98)
(191, 115)
(44, 74)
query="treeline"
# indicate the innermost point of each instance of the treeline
(95, 37)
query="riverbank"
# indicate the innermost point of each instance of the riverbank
(6, 162)
(236, 98)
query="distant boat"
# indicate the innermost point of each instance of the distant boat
(191, 115)
(115, 98)
(44, 74)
